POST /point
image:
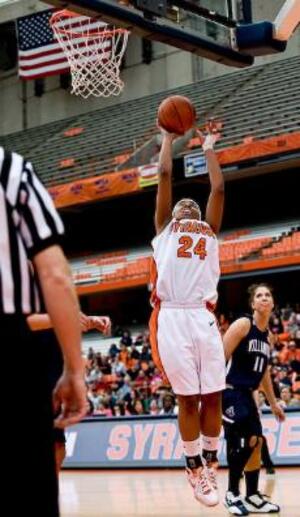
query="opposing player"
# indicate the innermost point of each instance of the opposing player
(186, 343)
(247, 351)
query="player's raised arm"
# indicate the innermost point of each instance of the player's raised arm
(215, 204)
(163, 211)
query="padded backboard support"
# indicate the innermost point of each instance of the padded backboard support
(158, 29)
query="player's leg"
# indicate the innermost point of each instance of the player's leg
(238, 453)
(211, 367)
(210, 424)
(255, 501)
(235, 411)
(175, 349)
(189, 428)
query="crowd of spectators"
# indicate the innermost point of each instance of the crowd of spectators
(125, 381)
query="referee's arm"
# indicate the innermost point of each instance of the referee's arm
(42, 229)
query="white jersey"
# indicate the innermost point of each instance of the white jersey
(186, 256)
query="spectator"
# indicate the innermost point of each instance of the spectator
(282, 378)
(135, 354)
(139, 408)
(93, 396)
(141, 378)
(124, 393)
(154, 408)
(94, 375)
(91, 354)
(168, 405)
(103, 410)
(156, 380)
(146, 353)
(262, 401)
(138, 340)
(276, 325)
(133, 372)
(285, 397)
(113, 350)
(106, 366)
(124, 354)
(295, 401)
(126, 338)
(289, 353)
(117, 368)
(99, 359)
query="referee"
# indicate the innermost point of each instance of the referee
(30, 230)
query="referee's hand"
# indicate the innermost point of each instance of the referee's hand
(69, 399)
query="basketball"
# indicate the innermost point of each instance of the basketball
(176, 114)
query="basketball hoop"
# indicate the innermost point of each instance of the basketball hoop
(94, 51)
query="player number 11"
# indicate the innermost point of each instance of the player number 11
(259, 364)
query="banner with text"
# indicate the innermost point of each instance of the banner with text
(195, 165)
(155, 442)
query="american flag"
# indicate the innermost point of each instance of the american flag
(40, 54)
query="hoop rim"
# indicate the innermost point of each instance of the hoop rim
(66, 13)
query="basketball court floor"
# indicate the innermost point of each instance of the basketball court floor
(145, 493)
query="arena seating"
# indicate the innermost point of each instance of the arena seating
(89, 144)
(237, 246)
(287, 245)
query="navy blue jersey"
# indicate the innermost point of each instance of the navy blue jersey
(248, 363)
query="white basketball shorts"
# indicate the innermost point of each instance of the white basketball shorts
(191, 350)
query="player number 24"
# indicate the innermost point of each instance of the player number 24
(187, 248)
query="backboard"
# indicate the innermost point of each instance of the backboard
(204, 27)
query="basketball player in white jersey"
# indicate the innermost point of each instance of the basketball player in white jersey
(185, 340)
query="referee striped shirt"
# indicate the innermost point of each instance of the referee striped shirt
(29, 223)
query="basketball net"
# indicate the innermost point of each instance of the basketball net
(94, 51)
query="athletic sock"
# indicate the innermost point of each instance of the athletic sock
(210, 449)
(192, 453)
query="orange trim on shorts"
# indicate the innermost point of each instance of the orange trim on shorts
(153, 322)
(153, 326)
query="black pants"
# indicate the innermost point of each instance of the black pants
(51, 354)
(28, 463)
(240, 414)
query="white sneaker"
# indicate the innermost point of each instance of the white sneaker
(235, 504)
(212, 476)
(203, 490)
(258, 503)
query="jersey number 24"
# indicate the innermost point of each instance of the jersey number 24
(187, 248)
